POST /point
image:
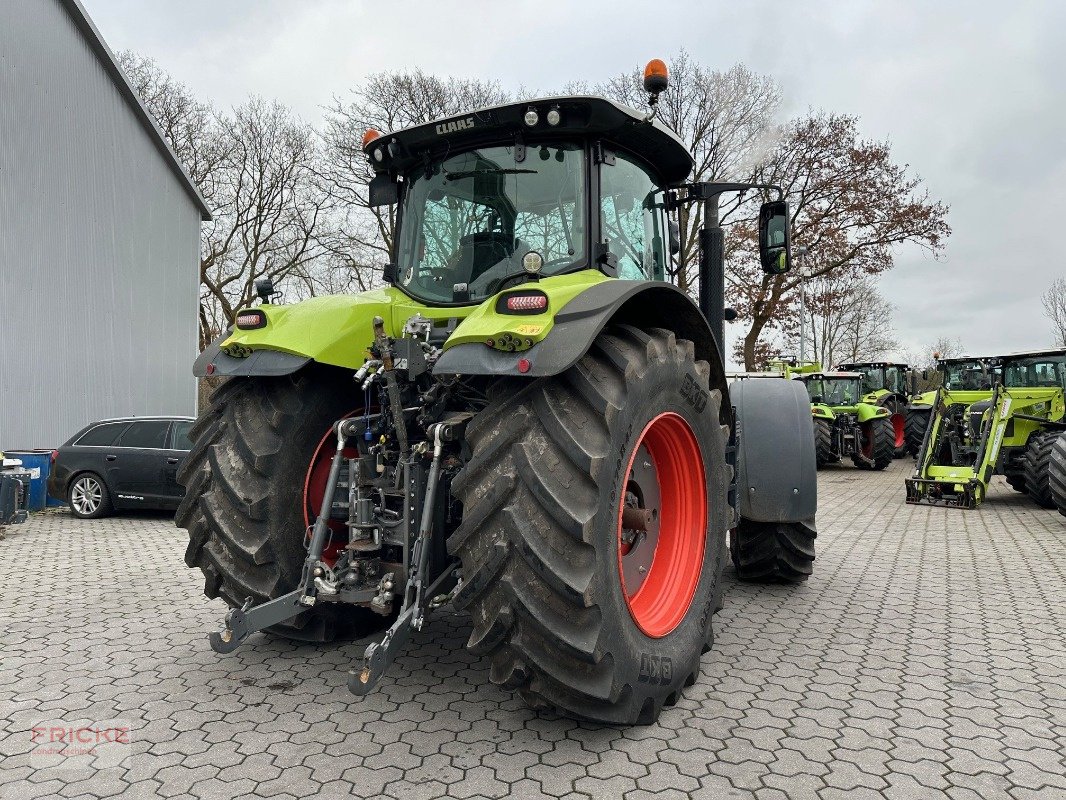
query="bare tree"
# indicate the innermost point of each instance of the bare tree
(727, 120)
(271, 207)
(845, 319)
(258, 169)
(1054, 301)
(189, 125)
(851, 204)
(361, 236)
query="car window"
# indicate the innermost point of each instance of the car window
(179, 436)
(145, 434)
(102, 435)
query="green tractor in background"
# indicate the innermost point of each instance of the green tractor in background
(792, 367)
(966, 374)
(527, 422)
(884, 383)
(1011, 431)
(846, 425)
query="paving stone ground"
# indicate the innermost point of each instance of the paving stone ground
(926, 657)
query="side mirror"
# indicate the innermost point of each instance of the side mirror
(675, 237)
(774, 241)
(384, 191)
(729, 314)
(388, 273)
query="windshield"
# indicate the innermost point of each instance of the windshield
(966, 376)
(872, 379)
(1039, 371)
(470, 218)
(834, 391)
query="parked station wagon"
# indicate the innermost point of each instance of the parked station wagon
(124, 463)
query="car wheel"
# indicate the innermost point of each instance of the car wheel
(88, 497)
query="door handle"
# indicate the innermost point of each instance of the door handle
(110, 458)
(173, 460)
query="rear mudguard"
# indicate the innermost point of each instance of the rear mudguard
(777, 478)
(644, 304)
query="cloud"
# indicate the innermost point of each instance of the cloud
(969, 94)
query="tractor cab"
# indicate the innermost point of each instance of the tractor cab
(837, 390)
(880, 377)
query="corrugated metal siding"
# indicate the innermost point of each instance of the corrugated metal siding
(99, 244)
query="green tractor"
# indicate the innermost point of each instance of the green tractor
(527, 422)
(791, 367)
(884, 383)
(1011, 431)
(846, 425)
(967, 374)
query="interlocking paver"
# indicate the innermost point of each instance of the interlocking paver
(924, 658)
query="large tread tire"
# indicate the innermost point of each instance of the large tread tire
(898, 417)
(1036, 467)
(883, 439)
(539, 537)
(916, 424)
(773, 552)
(823, 443)
(1057, 473)
(244, 500)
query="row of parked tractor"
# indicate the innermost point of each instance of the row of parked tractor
(962, 422)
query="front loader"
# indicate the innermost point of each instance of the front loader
(527, 421)
(884, 383)
(844, 424)
(966, 373)
(1010, 431)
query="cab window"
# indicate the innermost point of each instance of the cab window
(632, 219)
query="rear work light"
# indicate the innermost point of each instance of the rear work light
(523, 303)
(250, 320)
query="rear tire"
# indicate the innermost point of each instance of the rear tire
(878, 438)
(772, 552)
(1036, 467)
(823, 443)
(1057, 473)
(542, 558)
(915, 426)
(244, 500)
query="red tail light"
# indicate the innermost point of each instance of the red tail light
(527, 302)
(55, 455)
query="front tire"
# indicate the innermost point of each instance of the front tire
(877, 444)
(1057, 473)
(823, 443)
(1036, 467)
(244, 505)
(549, 570)
(773, 552)
(88, 497)
(915, 425)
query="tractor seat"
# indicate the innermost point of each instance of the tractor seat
(479, 251)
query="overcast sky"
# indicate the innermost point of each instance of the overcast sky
(971, 94)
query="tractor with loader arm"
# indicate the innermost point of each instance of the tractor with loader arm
(965, 373)
(1010, 430)
(527, 422)
(845, 425)
(885, 384)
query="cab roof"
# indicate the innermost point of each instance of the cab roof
(581, 116)
(851, 365)
(834, 374)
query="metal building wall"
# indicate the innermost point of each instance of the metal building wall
(99, 243)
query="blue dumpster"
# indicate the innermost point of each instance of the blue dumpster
(39, 464)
